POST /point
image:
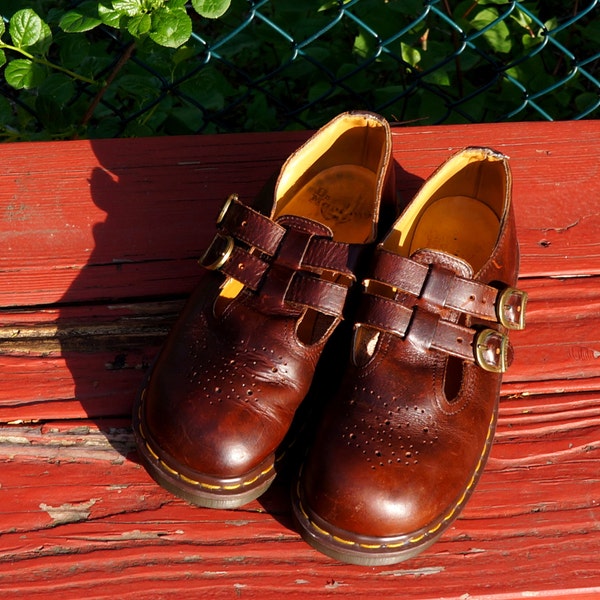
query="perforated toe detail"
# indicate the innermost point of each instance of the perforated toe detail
(395, 439)
(239, 376)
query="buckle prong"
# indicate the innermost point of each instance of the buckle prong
(232, 198)
(510, 308)
(223, 254)
(491, 350)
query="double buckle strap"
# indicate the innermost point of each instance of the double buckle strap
(424, 302)
(243, 239)
(221, 247)
(492, 348)
(282, 261)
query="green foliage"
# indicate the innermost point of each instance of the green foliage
(98, 68)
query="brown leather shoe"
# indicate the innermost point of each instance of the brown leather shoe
(224, 390)
(402, 446)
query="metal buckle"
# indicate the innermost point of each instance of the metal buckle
(232, 198)
(222, 253)
(491, 350)
(510, 308)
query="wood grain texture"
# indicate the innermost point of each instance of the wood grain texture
(76, 504)
(105, 219)
(100, 243)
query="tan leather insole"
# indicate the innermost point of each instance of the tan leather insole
(458, 225)
(340, 197)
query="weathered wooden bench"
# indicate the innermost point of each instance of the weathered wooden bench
(99, 241)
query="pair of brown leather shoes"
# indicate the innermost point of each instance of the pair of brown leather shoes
(401, 446)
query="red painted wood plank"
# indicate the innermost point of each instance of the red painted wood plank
(126, 217)
(89, 361)
(80, 517)
(560, 346)
(111, 217)
(77, 511)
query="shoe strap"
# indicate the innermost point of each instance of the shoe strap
(488, 348)
(425, 294)
(281, 260)
(443, 287)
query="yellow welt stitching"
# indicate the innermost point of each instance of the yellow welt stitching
(261, 474)
(188, 480)
(165, 466)
(208, 486)
(154, 456)
(335, 538)
(320, 530)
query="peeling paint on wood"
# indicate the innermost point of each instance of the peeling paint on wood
(69, 513)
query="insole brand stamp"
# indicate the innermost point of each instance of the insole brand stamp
(340, 210)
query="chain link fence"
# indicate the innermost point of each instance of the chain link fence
(283, 64)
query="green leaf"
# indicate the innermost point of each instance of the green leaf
(139, 25)
(22, 73)
(6, 111)
(362, 45)
(170, 28)
(586, 100)
(2, 26)
(439, 76)
(553, 24)
(130, 8)
(211, 9)
(59, 87)
(73, 51)
(319, 90)
(497, 36)
(410, 55)
(183, 54)
(523, 19)
(50, 114)
(83, 18)
(25, 28)
(2, 58)
(110, 16)
(43, 44)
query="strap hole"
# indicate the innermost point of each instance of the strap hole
(460, 340)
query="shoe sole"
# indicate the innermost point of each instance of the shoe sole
(372, 552)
